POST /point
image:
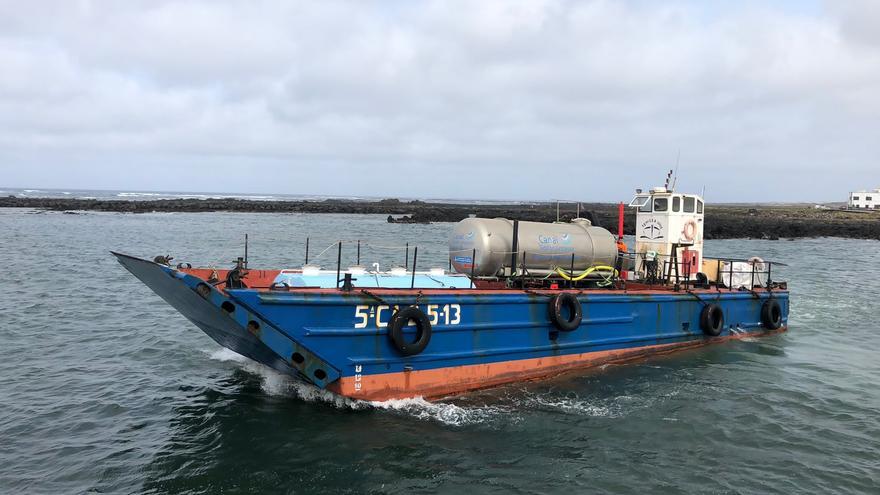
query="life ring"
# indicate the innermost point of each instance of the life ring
(423, 330)
(575, 314)
(712, 320)
(771, 314)
(690, 230)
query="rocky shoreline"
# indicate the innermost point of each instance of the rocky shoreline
(722, 221)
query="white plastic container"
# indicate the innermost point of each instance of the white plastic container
(744, 274)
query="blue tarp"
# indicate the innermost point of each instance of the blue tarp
(373, 280)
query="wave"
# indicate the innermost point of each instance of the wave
(224, 354)
(281, 385)
(137, 194)
(492, 407)
(449, 413)
(577, 405)
(162, 195)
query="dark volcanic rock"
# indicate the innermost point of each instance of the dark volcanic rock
(405, 219)
(722, 221)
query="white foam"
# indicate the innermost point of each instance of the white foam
(278, 384)
(445, 412)
(281, 385)
(224, 354)
(168, 195)
(574, 405)
(136, 194)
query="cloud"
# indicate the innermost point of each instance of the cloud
(500, 99)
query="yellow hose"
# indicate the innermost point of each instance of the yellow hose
(562, 273)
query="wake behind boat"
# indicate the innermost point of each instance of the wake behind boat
(520, 300)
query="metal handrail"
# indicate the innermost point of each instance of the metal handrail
(667, 261)
(661, 273)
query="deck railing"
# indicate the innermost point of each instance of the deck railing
(656, 269)
(663, 269)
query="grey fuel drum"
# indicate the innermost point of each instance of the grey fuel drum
(542, 247)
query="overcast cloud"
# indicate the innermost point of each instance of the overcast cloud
(767, 101)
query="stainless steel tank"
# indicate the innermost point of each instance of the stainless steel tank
(541, 246)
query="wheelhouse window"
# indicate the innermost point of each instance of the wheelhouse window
(661, 204)
(855, 198)
(676, 204)
(868, 198)
(642, 202)
(689, 202)
(699, 207)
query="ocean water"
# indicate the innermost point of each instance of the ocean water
(105, 389)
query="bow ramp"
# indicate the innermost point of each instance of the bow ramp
(230, 322)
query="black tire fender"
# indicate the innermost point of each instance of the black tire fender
(712, 320)
(557, 303)
(423, 330)
(771, 314)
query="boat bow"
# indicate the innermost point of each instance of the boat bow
(229, 321)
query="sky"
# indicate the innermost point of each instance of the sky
(490, 99)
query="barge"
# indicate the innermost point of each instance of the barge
(519, 301)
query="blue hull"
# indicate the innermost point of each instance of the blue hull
(339, 340)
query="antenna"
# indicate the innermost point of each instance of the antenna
(677, 159)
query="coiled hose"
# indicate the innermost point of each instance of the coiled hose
(599, 268)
